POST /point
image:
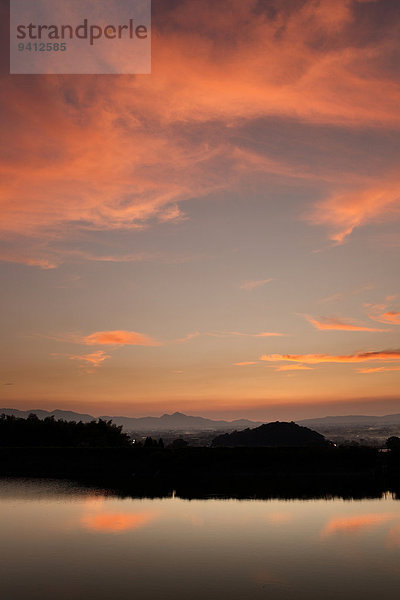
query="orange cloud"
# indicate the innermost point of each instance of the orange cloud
(119, 338)
(227, 334)
(187, 338)
(104, 338)
(251, 285)
(354, 524)
(335, 324)
(342, 213)
(332, 298)
(267, 334)
(116, 522)
(241, 334)
(382, 312)
(272, 67)
(293, 368)
(245, 363)
(94, 358)
(391, 317)
(379, 370)
(382, 355)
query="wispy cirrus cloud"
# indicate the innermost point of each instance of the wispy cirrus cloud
(227, 334)
(262, 334)
(379, 370)
(344, 212)
(187, 338)
(336, 324)
(36, 254)
(358, 357)
(246, 363)
(383, 312)
(79, 155)
(297, 367)
(250, 285)
(94, 359)
(363, 288)
(332, 298)
(293, 368)
(391, 317)
(337, 297)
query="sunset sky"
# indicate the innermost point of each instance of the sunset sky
(220, 237)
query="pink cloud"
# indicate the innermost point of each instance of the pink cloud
(251, 285)
(112, 339)
(262, 334)
(119, 338)
(95, 359)
(293, 368)
(336, 324)
(228, 334)
(382, 355)
(379, 370)
(384, 312)
(245, 363)
(391, 317)
(78, 153)
(253, 335)
(344, 212)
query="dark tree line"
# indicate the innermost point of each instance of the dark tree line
(15, 431)
(152, 443)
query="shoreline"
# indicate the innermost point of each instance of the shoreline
(348, 472)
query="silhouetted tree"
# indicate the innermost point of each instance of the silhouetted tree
(179, 443)
(393, 443)
(150, 443)
(33, 431)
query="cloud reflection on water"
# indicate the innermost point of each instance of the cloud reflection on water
(117, 522)
(354, 524)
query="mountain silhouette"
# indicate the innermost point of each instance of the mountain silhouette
(272, 434)
(175, 422)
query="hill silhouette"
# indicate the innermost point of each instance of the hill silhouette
(272, 434)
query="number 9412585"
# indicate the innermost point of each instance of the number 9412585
(43, 47)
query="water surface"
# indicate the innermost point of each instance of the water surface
(60, 541)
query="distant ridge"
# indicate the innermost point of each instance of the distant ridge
(346, 420)
(175, 422)
(66, 415)
(181, 422)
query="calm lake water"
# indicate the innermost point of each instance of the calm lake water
(60, 541)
